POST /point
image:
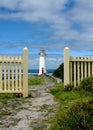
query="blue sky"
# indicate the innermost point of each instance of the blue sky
(51, 24)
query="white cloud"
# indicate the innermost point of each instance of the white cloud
(82, 12)
(51, 59)
(61, 20)
(32, 10)
(10, 4)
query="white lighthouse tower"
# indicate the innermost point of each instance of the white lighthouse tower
(42, 67)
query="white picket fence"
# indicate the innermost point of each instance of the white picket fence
(76, 68)
(14, 74)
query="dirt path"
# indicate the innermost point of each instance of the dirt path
(33, 113)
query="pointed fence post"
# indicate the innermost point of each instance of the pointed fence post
(66, 66)
(25, 72)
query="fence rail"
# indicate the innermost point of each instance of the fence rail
(14, 74)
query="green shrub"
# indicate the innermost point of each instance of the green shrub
(78, 117)
(59, 72)
(68, 87)
(87, 84)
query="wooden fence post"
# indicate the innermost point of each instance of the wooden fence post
(0, 73)
(25, 72)
(66, 66)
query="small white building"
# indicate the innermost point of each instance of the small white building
(42, 59)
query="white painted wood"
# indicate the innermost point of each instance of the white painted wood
(66, 66)
(8, 75)
(88, 69)
(0, 73)
(12, 73)
(5, 73)
(25, 72)
(82, 71)
(83, 65)
(16, 72)
(78, 73)
(85, 69)
(71, 73)
(82, 59)
(20, 77)
(74, 74)
(13, 64)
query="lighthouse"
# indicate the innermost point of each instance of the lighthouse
(42, 58)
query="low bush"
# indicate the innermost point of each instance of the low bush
(87, 84)
(78, 117)
(59, 72)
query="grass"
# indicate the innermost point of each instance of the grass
(35, 80)
(67, 99)
(5, 97)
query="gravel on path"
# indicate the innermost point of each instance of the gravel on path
(32, 113)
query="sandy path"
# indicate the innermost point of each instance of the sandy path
(33, 113)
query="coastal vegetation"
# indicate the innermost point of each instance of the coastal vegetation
(59, 72)
(76, 107)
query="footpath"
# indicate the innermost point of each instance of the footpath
(32, 113)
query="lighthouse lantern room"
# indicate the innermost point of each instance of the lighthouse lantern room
(42, 67)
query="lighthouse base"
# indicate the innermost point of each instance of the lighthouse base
(42, 71)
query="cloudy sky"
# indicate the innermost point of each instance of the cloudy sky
(51, 24)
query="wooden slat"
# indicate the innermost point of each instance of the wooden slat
(12, 76)
(4, 73)
(88, 69)
(8, 73)
(16, 76)
(78, 73)
(75, 74)
(85, 69)
(71, 72)
(82, 71)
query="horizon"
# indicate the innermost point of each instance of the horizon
(36, 71)
(52, 25)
